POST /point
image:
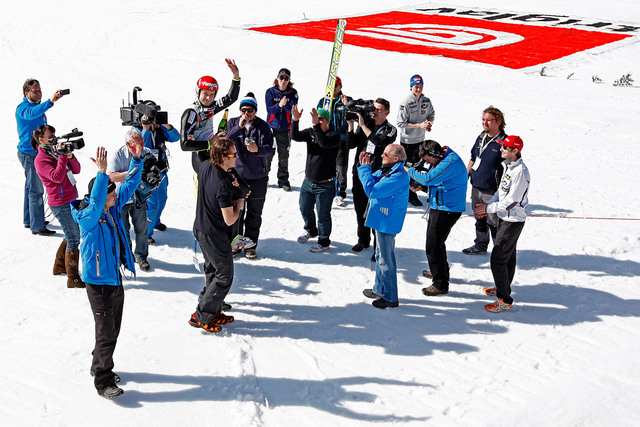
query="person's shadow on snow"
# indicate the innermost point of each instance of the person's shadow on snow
(328, 395)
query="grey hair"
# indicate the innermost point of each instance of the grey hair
(132, 133)
(398, 150)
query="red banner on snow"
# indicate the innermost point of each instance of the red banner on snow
(498, 43)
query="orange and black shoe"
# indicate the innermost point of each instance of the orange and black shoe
(209, 327)
(222, 319)
(492, 292)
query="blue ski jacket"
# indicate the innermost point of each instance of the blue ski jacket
(279, 118)
(388, 193)
(103, 236)
(447, 182)
(29, 116)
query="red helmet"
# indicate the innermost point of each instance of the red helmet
(206, 83)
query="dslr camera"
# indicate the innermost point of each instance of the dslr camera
(364, 107)
(132, 114)
(71, 141)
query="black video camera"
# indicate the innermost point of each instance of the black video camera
(70, 144)
(364, 107)
(132, 114)
(152, 175)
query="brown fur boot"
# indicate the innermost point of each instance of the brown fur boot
(71, 263)
(58, 265)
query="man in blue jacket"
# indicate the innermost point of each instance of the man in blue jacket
(30, 114)
(446, 179)
(388, 193)
(103, 249)
(254, 144)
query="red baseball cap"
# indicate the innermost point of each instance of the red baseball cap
(512, 141)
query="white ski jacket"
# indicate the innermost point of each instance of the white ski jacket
(512, 195)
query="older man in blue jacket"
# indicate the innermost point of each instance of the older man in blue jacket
(103, 249)
(446, 179)
(387, 190)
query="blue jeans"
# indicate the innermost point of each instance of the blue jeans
(386, 284)
(320, 196)
(139, 220)
(156, 204)
(69, 226)
(33, 210)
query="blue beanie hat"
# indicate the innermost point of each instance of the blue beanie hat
(249, 100)
(415, 80)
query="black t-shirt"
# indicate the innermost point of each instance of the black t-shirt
(214, 193)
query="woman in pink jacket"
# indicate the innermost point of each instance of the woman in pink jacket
(56, 173)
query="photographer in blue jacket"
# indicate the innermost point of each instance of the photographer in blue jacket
(388, 193)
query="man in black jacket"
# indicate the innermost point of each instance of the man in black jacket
(318, 187)
(372, 136)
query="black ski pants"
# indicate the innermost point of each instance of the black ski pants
(283, 143)
(250, 219)
(106, 303)
(503, 258)
(218, 274)
(360, 202)
(438, 229)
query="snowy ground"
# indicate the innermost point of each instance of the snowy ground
(307, 348)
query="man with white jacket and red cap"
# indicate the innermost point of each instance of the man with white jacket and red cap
(508, 203)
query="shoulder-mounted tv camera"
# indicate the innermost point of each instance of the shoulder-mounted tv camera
(132, 115)
(71, 141)
(362, 106)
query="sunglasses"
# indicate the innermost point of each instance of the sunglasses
(247, 110)
(232, 155)
(283, 78)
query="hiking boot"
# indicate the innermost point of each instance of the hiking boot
(427, 274)
(492, 292)
(498, 306)
(358, 247)
(241, 242)
(111, 392)
(116, 377)
(59, 263)
(318, 248)
(160, 227)
(250, 254)
(209, 327)
(432, 291)
(339, 201)
(285, 186)
(222, 319)
(370, 294)
(473, 250)
(151, 241)
(144, 264)
(383, 303)
(305, 237)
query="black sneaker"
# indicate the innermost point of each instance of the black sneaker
(151, 241)
(370, 294)
(427, 274)
(44, 232)
(473, 250)
(383, 303)
(29, 225)
(111, 392)
(160, 227)
(432, 291)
